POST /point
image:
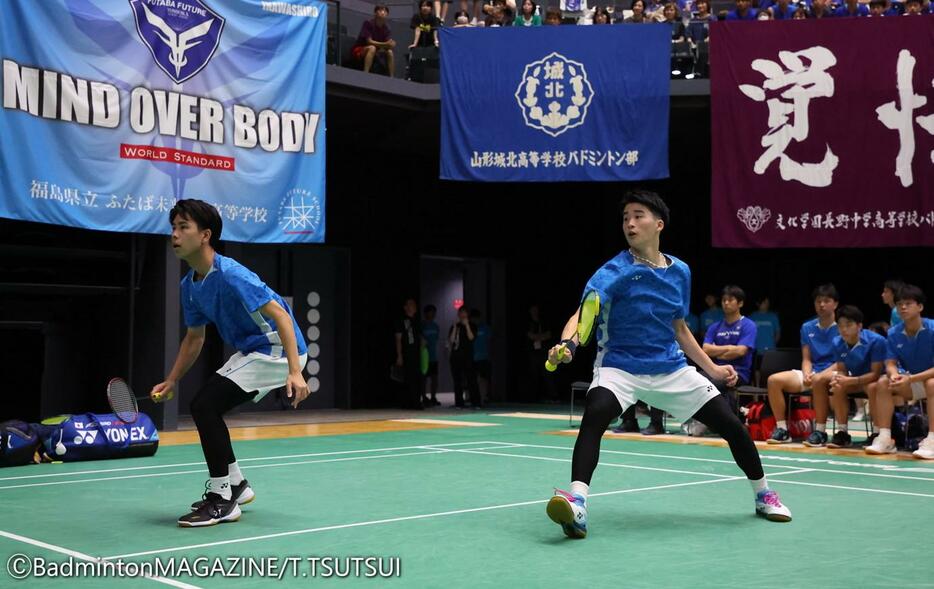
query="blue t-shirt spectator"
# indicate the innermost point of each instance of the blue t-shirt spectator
(768, 326)
(431, 332)
(859, 10)
(709, 317)
(859, 359)
(913, 353)
(481, 343)
(739, 333)
(787, 13)
(637, 307)
(820, 343)
(895, 318)
(751, 14)
(693, 322)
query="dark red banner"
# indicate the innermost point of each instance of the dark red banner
(177, 156)
(823, 132)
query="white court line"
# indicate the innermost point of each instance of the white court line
(808, 462)
(771, 480)
(85, 557)
(405, 518)
(282, 457)
(255, 467)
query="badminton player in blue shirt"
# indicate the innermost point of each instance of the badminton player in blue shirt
(251, 318)
(642, 342)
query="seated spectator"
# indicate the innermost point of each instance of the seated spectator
(375, 39)
(713, 313)
(673, 19)
(859, 356)
(477, 11)
(509, 14)
(638, 13)
(461, 19)
(698, 28)
(782, 10)
(889, 288)
(764, 15)
(654, 10)
(877, 8)
(528, 15)
(553, 16)
(909, 367)
(425, 24)
(817, 360)
(767, 325)
(693, 323)
(497, 17)
(819, 9)
(852, 8)
(733, 339)
(912, 7)
(801, 13)
(601, 16)
(743, 11)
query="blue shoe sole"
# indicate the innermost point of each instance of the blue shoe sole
(560, 512)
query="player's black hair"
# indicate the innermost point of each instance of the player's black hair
(647, 198)
(850, 312)
(825, 290)
(910, 292)
(893, 285)
(430, 308)
(202, 214)
(731, 290)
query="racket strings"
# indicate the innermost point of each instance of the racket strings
(122, 401)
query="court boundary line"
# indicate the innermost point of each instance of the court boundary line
(404, 518)
(87, 558)
(827, 486)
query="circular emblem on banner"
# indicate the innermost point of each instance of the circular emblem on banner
(300, 212)
(554, 94)
(754, 218)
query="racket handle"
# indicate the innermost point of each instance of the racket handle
(552, 367)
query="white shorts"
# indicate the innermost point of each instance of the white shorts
(681, 393)
(800, 377)
(917, 391)
(258, 372)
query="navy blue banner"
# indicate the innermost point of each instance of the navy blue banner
(547, 104)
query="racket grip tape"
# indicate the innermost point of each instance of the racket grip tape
(552, 367)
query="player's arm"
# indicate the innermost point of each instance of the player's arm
(734, 352)
(693, 351)
(713, 350)
(559, 352)
(891, 370)
(807, 368)
(921, 376)
(188, 352)
(295, 383)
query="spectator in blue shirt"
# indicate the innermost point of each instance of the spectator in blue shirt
(877, 8)
(732, 340)
(852, 8)
(909, 367)
(481, 354)
(768, 328)
(713, 313)
(859, 356)
(817, 360)
(913, 7)
(743, 11)
(430, 334)
(820, 9)
(782, 10)
(698, 28)
(889, 289)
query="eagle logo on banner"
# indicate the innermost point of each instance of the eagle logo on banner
(554, 94)
(182, 35)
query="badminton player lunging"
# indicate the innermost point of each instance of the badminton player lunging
(642, 341)
(254, 320)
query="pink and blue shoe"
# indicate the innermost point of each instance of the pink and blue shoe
(769, 506)
(570, 512)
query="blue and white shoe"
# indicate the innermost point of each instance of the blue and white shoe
(779, 436)
(570, 512)
(769, 506)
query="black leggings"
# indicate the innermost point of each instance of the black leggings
(602, 408)
(216, 398)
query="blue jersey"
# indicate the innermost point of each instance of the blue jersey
(741, 332)
(431, 332)
(637, 307)
(859, 359)
(709, 317)
(895, 318)
(820, 342)
(230, 297)
(913, 353)
(767, 326)
(481, 343)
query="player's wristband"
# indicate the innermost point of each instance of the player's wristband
(570, 345)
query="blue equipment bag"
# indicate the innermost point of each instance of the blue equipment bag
(18, 443)
(89, 436)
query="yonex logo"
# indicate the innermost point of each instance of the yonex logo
(637, 277)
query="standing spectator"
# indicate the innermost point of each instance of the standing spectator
(497, 17)
(408, 346)
(601, 16)
(508, 13)
(430, 333)
(653, 10)
(481, 355)
(477, 10)
(638, 13)
(537, 337)
(713, 313)
(877, 8)
(732, 340)
(819, 9)
(552, 16)
(889, 290)
(375, 39)
(461, 340)
(441, 9)
(425, 24)
(461, 19)
(852, 8)
(673, 19)
(743, 11)
(767, 325)
(782, 10)
(698, 29)
(528, 15)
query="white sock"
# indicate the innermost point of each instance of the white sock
(821, 427)
(579, 488)
(842, 427)
(233, 470)
(781, 424)
(875, 429)
(885, 433)
(221, 486)
(759, 485)
(931, 435)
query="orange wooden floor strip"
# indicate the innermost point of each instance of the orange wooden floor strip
(301, 430)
